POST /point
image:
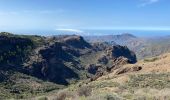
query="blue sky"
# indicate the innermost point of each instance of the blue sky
(76, 15)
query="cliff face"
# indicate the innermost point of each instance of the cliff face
(121, 51)
(50, 64)
(58, 61)
(61, 60)
(14, 51)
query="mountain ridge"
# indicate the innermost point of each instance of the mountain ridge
(62, 60)
(36, 65)
(143, 47)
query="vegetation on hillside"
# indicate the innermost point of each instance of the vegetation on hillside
(19, 86)
(32, 67)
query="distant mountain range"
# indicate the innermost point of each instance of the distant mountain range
(143, 47)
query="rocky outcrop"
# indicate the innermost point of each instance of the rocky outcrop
(117, 51)
(118, 63)
(114, 57)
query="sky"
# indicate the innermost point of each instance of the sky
(78, 15)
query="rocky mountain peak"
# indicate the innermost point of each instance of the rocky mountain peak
(76, 41)
(128, 35)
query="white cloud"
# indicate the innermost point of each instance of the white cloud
(148, 2)
(70, 30)
(51, 11)
(43, 12)
(8, 13)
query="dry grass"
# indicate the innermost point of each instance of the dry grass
(150, 83)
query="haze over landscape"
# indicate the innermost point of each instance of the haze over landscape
(52, 17)
(84, 50)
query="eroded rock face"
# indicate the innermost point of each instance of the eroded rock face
(51, 66)
(118, 56)
(52, 60)
(118, 62)
(117, 51)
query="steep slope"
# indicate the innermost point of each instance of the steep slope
(61, 59)
(13, 82)
(148, 79)
(14, 51)
(143, 47)
(134, 43)
(69, 58)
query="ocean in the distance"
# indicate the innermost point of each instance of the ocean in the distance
(140, 33)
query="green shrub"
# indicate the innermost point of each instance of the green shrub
(104, 84)
(61, 96)
(84, 91)
(157, 81)
(150, 59)
(43, 98)
(112, 97)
